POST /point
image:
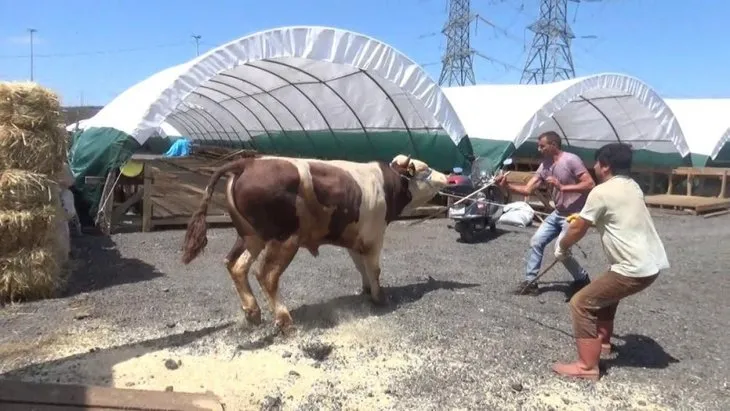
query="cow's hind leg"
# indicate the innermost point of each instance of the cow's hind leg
(371, 260)
(239, 262)
(276, 258)
(357, 258)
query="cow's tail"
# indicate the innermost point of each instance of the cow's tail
(195, 236)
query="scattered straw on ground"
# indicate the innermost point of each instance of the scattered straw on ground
(39, 150)
(355, 375)
(28, 105)
(21, 190)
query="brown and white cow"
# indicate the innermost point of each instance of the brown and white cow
(281, 204)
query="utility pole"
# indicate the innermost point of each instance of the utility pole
(197, 43)
(550, 58)
(31, 31)
(457, 62)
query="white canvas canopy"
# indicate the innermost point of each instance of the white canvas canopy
(587, 112)
(291, 78)
(705, 123)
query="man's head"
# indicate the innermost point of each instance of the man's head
(549, 144)
(613, 159)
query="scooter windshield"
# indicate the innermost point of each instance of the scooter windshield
(481, 169)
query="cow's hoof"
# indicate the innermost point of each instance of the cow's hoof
(381, 300)
(283, 321)
(365, 291)
(253, 316)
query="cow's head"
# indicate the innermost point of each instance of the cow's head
(423, 181)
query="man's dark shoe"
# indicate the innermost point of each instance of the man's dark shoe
(524, 289)
(576, 286)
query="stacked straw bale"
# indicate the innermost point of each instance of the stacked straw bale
(34, 240)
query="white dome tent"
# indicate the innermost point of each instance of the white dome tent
(706, 124)
(587, 112)
(302, 87)
(304, 91)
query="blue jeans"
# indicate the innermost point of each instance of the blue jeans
(553, 227)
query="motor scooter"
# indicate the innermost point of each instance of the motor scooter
(481, 204)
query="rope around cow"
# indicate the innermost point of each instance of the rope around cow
(427, 180)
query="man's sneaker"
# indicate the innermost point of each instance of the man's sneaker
(576, 286)
(524, 289)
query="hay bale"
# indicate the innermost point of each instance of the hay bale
(30, 274)
(41, 150)
(27, 229)
(21, 190)
(28, 105)
(34, 246)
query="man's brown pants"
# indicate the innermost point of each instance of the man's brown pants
(599, 300)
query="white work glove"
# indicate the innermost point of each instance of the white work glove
(561, 254)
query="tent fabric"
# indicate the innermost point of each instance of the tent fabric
(588, 112)
(706, 125)
(287, 79)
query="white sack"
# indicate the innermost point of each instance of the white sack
(518, 213)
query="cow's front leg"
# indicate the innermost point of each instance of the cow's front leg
(357, 258)
(239, 262)
(371, 260)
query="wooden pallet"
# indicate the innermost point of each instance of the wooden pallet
(691, 204)
(27, 396)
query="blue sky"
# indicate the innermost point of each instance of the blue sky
(96, 49)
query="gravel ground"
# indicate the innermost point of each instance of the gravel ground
(451, 336)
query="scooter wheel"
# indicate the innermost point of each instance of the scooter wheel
(467, 236)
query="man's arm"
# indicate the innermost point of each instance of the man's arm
(584, 184)
(593, 210)
(524, 189)
(576, 231)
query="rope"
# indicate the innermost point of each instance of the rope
(490, 202)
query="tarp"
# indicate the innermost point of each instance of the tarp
(180, 148)
(706, 125)
(587, 112)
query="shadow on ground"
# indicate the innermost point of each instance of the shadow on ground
(98, 264)
(639, 351)
(328, 314)
(481, 238)
(106, 359)
(555, 286)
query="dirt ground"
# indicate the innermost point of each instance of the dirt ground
(451, 336)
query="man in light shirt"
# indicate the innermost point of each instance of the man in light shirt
(636, 255)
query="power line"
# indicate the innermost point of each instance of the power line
(98, 52)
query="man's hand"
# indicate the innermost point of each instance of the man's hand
(554, 182)
(501, 180)
(561, 254)
(571, 218)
